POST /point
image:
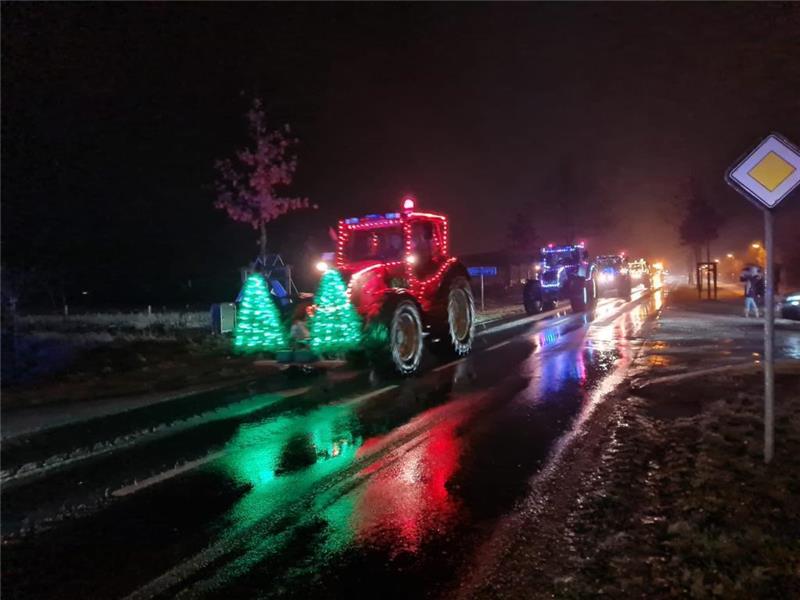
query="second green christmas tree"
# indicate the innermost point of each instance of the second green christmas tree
(335, 326)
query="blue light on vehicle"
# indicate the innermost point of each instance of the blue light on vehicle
(394, 215)
(351, 221)
(556, 278)
(374, 217)
(793, 300)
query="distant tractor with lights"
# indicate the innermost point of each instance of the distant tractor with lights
(406, 286)
(565, 273)
(613, 275)
(640, 273)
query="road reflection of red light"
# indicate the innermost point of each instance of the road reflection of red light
(406, 499)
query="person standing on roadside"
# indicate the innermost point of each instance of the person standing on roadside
(750, 295)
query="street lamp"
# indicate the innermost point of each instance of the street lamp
(756, 245)
(729, 255)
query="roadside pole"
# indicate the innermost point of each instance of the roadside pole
(765, 176)
(482, 272)
(769, 341)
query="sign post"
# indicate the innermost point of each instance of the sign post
(765, 176)
(769, 341)
(482, 271)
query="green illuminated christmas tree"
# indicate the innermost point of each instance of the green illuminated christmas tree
(335, 327)
(258, 324)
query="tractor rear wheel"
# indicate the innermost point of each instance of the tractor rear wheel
(583, 294)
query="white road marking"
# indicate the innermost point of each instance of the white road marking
(224, 412)
(145, 483)
(496, 346)
(519, 322)
(448, 365)
(372, 394)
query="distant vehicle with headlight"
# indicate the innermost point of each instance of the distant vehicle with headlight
(789, 307)
(565, 273)
(405, 284)
(613, 275)
(640, 273)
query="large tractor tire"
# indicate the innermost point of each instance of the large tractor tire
(583, 294)
(460, 317)
(532, 297)
(592, 292)
(401, 351)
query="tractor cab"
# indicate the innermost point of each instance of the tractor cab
(403, 250)
(565, 274)
(562, 262)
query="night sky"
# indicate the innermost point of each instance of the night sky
(113, 115)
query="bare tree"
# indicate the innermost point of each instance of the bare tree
(248, 185)
(701, 221)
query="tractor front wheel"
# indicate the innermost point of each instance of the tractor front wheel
(405, 337)
(532, 298)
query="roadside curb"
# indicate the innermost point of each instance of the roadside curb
(28, 421)
(31, 417)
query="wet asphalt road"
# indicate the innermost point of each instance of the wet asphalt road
(324, 490)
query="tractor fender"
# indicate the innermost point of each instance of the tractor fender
(391, 296)
(434, 308)
(376, 330)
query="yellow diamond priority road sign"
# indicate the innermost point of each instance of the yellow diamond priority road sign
(769, 173)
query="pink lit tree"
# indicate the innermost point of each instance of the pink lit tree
(249, 184)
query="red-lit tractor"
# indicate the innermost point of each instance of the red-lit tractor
(406, 286)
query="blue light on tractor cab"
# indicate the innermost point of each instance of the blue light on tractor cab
(374, 217)
(392, 215)
(351, 221)
(551, 249)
